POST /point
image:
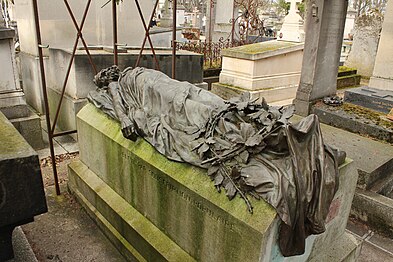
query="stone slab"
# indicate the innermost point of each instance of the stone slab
(21, 188)
(30, 128)
(353, 123)
(376, 99)
(22, 193)
(7, 33)
(374, 209)
(270, 95)
(13, 104)
(137, 238)
(180, 200)
(262, 50)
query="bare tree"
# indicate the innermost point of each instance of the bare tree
(364, 6)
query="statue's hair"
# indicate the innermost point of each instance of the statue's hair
(107, 75)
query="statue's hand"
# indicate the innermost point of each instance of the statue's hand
(128, 129)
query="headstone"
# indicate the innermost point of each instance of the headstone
(12, 98)
(322, 49)
(383, 71)
(21, 188)
(366, 36)
(222, 13)
(268, 69)
(156, 209)
(292, 28)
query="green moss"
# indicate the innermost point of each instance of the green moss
(261, 47)
(345, 69)
(12, 143)
(374, 116)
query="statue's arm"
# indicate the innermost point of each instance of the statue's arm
(127, 125)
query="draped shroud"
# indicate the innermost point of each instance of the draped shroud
(249, 149)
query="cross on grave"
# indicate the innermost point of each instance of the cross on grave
(293, 8)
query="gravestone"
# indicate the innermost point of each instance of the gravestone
(382, 77)
(292, 28)
(379, 93)
(268, 69)
(222, 13)
(12, 98)
(366, 34)
(322, 49)
(155, 209)
(21, 189)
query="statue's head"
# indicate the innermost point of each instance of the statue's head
(106, 76)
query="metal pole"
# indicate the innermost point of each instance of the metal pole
(114, 17)
(174, 13)
(43, 82)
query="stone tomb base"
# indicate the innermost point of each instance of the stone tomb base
(159, 210)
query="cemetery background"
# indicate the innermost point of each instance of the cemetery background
(54, 256)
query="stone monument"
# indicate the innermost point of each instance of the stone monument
(22, 193)
(292, 28)
(12, 98)
(366, 35)
(378, 95)
(156, 209)
(382, 77)
(269, 70)
(322, 49)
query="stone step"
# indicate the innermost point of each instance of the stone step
(374, 209)
(134, 235)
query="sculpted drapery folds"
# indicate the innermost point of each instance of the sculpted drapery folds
(249, 149)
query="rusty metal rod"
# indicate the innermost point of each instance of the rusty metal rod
(114, 24)
(174, 13)
(147, 35)
(79, 31)
(44, 91)
(70, 63)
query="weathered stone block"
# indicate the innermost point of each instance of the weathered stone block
(141, 200)
(376, 99)
(21, 189)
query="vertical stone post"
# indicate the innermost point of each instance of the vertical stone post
(324, 36)
(383, 70)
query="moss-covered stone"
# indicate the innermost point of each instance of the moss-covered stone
(176, 197)
(262, 47)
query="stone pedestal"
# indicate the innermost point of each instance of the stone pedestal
(383, 71)
(21, 189)
(155, 209)
(12, 98)
(268, 69)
